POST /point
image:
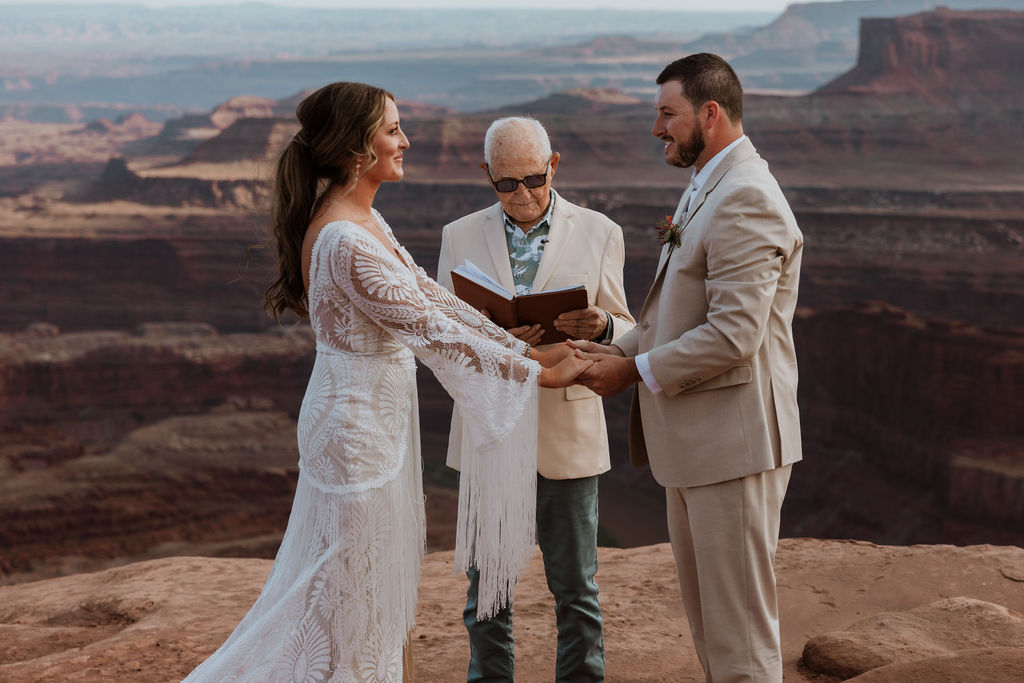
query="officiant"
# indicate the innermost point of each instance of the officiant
(533, 240)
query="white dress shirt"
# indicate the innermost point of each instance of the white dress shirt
(697, 180)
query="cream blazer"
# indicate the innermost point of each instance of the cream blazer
(717, 324)
(583, 247)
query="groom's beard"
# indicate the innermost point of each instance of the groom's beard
(687, 152)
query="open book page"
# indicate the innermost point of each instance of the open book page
(482, 292)
(470, 270)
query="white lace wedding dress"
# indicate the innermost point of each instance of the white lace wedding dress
(340, 600)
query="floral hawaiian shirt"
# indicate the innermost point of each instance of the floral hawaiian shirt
(526, 249)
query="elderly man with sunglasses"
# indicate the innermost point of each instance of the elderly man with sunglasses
(534, 240)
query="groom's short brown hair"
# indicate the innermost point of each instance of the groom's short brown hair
(705, 77)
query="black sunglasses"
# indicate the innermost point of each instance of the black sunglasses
(506, 185)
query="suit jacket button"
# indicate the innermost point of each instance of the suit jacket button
(644, 325)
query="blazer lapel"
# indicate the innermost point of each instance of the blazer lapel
(559, 233)
(741, 152)
(738, 154)
(497, 246)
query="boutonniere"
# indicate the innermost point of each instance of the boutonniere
(668, 232)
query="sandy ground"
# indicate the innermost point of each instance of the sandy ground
(154, 621)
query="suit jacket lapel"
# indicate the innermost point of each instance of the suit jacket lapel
(679, 218)
(562, 225)
(741, 152)
(497, 245)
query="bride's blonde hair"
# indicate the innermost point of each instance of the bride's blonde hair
(334, 145)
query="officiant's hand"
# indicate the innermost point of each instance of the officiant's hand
(530, 334)
(583, 323)
(611, 372)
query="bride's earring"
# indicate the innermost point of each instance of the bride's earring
(355, 175)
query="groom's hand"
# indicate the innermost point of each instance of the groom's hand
(610, 374)
(594, 347)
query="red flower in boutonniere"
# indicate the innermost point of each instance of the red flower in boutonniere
(668, 232)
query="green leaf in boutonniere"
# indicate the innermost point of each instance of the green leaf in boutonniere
(668, 232)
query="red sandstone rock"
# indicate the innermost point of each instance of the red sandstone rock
(985, 665)
(154, 621)
(940, 55)
(940, 629)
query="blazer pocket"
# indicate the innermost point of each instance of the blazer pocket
(575, 392)
(741, 374)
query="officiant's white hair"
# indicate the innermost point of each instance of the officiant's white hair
(516, 132)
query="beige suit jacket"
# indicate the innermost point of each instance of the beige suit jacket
(583, 246)
(717, 327)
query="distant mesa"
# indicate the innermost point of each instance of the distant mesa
(130, 124)
(181, 136)
(943, 54)
(243, 106)
(101, 125)
(246, 139)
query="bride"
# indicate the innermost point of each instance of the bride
(340, 600)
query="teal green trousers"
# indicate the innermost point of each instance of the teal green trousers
(567, 535)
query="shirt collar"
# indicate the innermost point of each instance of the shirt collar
(698, 179)
(547, 217)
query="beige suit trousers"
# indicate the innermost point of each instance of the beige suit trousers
(724, 537)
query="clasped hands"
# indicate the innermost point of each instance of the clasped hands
(602, 369)
(611, 372)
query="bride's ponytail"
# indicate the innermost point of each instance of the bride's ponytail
(339, 122)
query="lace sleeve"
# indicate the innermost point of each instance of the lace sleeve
(455, 307)
(493, 384)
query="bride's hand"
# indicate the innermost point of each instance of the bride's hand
(552, 355)
(564, 372)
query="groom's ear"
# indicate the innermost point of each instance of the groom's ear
(711, 113)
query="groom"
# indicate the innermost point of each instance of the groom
(714, 407)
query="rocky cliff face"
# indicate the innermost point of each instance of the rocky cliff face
(171, 440)
(931, 403)
(118, 271)
(934, 255)
(940, 55)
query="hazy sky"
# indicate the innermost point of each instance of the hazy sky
(683, 5)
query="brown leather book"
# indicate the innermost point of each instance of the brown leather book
(509, 310)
